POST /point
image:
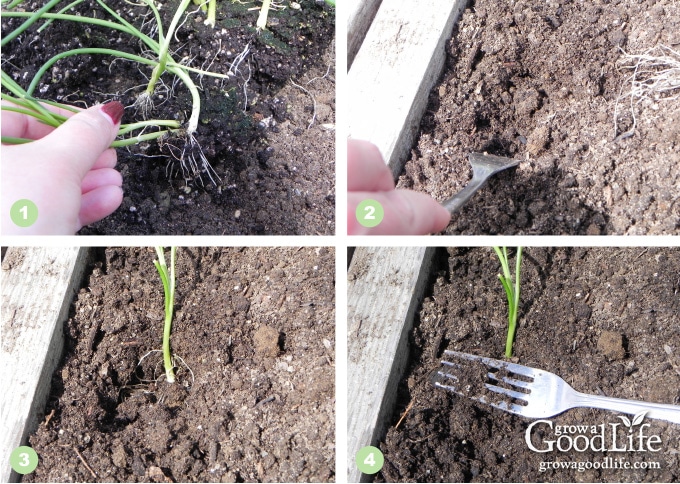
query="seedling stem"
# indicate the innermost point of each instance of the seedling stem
(168, 281)
(262, 18)
(512, 291)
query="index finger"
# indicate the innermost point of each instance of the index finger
(17, 125)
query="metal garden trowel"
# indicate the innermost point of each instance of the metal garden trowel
(483, 166)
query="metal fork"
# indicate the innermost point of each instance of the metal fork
(535, 393)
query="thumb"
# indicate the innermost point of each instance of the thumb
(405, 213)
(84, 136)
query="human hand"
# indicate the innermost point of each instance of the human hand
(68, 172)
(406, 212)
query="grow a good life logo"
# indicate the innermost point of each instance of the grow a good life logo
(633, 436)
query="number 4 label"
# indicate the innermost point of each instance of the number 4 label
(369, 460)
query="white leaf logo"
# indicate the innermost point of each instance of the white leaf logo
(639, 417)
(626, 422)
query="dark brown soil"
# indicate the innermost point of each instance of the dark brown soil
(604, 319)
(275, 168)
(538, 81)
(255, 327)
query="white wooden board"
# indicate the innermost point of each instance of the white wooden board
(37, 287)
(400, 60)
(384, 289)
(361, 13)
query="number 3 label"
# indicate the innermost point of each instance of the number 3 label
(369, 460)
(23, 460)
(370, 213)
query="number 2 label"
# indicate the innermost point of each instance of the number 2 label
(369, 213)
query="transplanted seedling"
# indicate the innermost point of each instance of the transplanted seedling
(210, 8)
(512, 291)
(168, 280)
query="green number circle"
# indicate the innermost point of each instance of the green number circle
(370, 213)
(23, 460)
(24, 213)
(369, 459)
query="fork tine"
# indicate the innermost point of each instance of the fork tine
(512, 408)
(511, 381)
(450, 363)
(466, 356)
(448, 368)
(448, 375)
(507, 392)
(501, 365)
(443, 372)
(447, 387)
(505, 406)
(439, 375)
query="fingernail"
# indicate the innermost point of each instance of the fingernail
(114, 110)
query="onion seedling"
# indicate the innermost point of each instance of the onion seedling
(192, 159)
(212, 11)
(512, 291)
(168, 280)
(264, 12)
(209, 7)
(22, 102)
(144, 101)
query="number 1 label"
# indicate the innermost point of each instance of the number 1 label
(23, 213)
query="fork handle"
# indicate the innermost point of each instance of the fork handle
(661, 411)
(455, 203)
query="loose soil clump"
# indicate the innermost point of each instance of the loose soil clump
(275, 167)
(239, 411)
(546, 83)
(580, 309)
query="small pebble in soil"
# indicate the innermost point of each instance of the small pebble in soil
(526, 102)
(119, 455)
(266, 341)
(610, 345)
(538, 139)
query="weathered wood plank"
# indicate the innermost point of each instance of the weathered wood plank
(38, 285)
(361, 14)
(399, 62)
(384, 289)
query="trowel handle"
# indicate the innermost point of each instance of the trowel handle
(454, 203)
